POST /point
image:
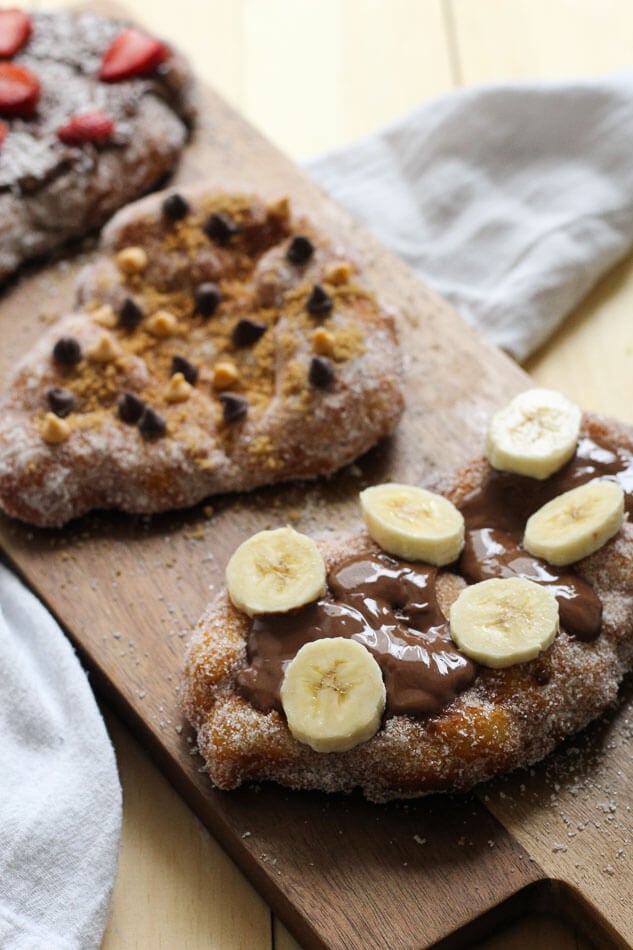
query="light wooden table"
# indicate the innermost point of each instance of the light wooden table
(313, 74)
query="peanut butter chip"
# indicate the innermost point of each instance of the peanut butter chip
(178, 389)
(338, 273)
(131, 260)
(105, 316)
(162, 324)
(224, 375)
(104, 351)
(54, 430)
(279, 209)
(322, 342)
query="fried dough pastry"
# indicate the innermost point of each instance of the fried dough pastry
(80, 138)
(218, 344)
(494, 721)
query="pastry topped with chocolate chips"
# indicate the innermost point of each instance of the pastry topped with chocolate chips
(218, 343)
(93, 113)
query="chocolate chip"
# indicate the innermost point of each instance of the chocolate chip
(319, 303)
(67, 351)
(180, 365)
(61, 401)
(131, 408)
(300, 250)
(219, 227)
(130, 314)
(321, 372)
(540, 676)
(234, 406)
(151, 425)
(175, 208)
(207, 297)
(247, 332)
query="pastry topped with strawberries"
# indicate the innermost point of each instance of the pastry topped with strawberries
(462, 634)
(93, 113)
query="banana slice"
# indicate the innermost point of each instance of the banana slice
(535, 434)
(275, 571)
(333, 695)
(504, 621)
(575, 524)
(413, 523)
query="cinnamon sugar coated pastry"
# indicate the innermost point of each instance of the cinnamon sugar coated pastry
(187, 367)
(542, 648)
(93, 113)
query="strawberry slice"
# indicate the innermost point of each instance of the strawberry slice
(4, 128)
(95, 127)
(131, 53)
(15, 29)
(19, 90)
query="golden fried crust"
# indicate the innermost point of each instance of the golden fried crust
(293, 427)
(508, 718)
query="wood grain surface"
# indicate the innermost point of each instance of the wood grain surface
(128, 589)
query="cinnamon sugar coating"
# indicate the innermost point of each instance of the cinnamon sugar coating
(290, 429)
(508, 718)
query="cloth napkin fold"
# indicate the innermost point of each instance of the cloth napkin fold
(60, 798)
(510, 200)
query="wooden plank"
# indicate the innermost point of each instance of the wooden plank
(574, 814)
(312, 74)
(339, 69)
(541, 39)
(593, 350)
(127, 588)
(173, 871)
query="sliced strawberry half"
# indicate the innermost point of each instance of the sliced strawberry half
(19, 90)
(95, 127)
(15, 29)
(132, 53)
(4, 128)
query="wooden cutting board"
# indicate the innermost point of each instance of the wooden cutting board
(340, 873)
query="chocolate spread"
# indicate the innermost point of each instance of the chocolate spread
(492, 553)
(391, 606)
(495, 515)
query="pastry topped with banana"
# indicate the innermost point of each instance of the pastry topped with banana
(463, 633)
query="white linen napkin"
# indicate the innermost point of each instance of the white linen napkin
(510, 200)
(60, 798)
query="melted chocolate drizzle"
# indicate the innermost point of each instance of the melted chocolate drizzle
(391, 606)
(495, 515)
